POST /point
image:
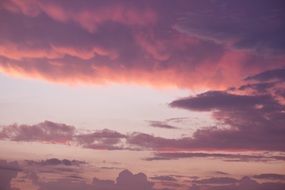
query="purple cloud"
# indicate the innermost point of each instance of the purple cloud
(155, 43)
(46, 131)
(59, 133)
(219, 100)
(239, 24)
(104, 139)
(249, 121)
(276, 74)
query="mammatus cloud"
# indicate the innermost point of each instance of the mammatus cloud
(179, 44)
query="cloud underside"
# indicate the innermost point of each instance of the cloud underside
(179, 44)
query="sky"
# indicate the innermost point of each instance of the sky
(145, 95)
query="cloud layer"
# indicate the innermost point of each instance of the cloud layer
(126, 180)
(155, 43)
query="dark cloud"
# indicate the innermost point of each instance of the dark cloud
(219, 100)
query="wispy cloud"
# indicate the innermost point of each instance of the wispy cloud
(233, 157)
(161, 124)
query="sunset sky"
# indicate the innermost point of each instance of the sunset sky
(142, 95)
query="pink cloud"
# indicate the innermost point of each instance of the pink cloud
(99, 43)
